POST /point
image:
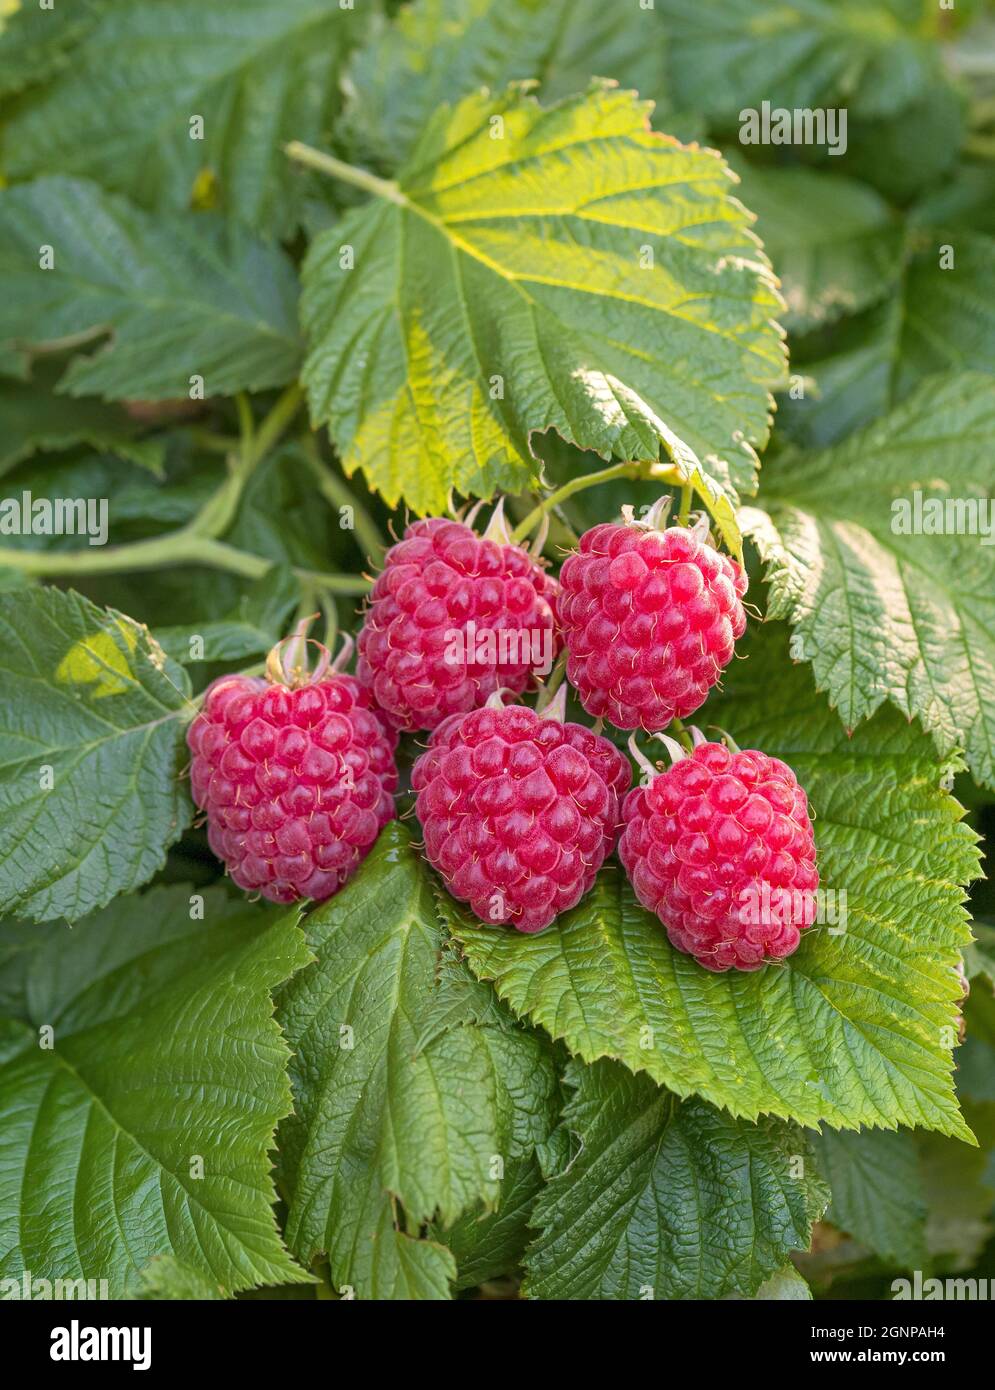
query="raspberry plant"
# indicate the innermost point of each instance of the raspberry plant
(472, 331)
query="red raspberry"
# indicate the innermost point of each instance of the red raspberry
(649, 619)
(296, 782)
(519, 810)
(445, 597)
(720, 847)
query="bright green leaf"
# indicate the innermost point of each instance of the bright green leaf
(668, 1198)
(857, 1026)
(163, 1051)
(398, 1104)
(580, 274)
(92, 724)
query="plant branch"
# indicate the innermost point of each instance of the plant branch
(646, 470)
(347, 173)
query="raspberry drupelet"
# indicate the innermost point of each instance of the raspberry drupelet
(519, 810)
(649, 619)
(720, 847)
(453, 617)
(295, 773)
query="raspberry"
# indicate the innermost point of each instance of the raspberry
(649, 619)
(720, 847)
(454, 617)
(519, 810)
(296, 780)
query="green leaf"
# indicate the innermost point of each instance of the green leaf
(257, 74)
(668, 1198)
(979, 957)
(857, 1026)
(92, 725)
(166, 1279)
(835, 243)
(877, 1192)
(36, 420)
(959, 1184)
(180, 296)
(939, 319)
(491, 1244)
(402, 1113)
(257, 621)
(498, 291)
(437, 51)
(869, 56)
(882, 614)
(786, 1286)
(36, 41)
(164, 1051)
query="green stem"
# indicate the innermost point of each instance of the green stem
(605, 475)
(218, 512)
(687, 497)
(553, 683)
(655, 470)
(348, 173)
(337, 494)
(678, 731)
(183, 547)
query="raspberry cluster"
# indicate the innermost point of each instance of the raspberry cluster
(296, 783)
(649, 619)
(519, 811)
(453, 617)
(720, 847)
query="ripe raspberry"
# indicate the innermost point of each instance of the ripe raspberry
(649, 619)
(454, 617)
(519, 810)
(296, 780)
(720, 847)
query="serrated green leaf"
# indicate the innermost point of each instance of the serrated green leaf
(256, 73)
(36, 420)
(166, 1279)
(164, 1050)
(870, 56)
(491, 1244)
(184, 295)
(396, 1104)
(856, 1027)
(668, 1199)
(92, 722)
(877, 1191)
(437, 51)
(884, 615)
(835, 244)
(498, 291)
